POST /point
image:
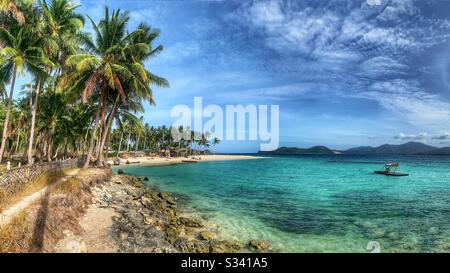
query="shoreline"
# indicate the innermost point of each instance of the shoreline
(162, 161)
(128, 216)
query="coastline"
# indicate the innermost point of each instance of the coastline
(128, 216)
(160, 161)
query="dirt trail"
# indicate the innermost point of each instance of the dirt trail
(96, 224)
(8, 214)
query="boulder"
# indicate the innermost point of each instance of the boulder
(197, 247)
(207, 235)
(172, 234)
(190, 222)
(224, 247)
(120, 171)
(259, 245)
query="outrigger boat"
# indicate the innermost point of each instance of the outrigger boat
(390, 169)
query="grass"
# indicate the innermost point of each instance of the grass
(27, 189)
(71, 185)
(16, 236)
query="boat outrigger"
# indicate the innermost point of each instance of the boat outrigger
(390, 169)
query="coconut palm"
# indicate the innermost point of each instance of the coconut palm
(112, 67)
(138, 50)
(61, 27)
(21, 52)
(54, 118)
(14, 7)
(215, 141)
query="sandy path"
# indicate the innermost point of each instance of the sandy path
(96, 224)
(8, 214)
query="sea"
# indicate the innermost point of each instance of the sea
(317, 203)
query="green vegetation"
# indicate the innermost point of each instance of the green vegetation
(105, 71)
(298, 151)
(131, 136)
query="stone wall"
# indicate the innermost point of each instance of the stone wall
(14, 178)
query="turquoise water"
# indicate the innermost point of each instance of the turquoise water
(317, 203)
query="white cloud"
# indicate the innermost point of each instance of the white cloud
(398, 9)
(405, 98)
(359, 51)
(320, 31)
(267, 13)
(381, 66)
(441, 136)
(420, 136)
(178, 52)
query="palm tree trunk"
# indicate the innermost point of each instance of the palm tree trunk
(91, 145)
(120, 144)
(33, 122)
(128, 142)
(49, 151)
(106, 132)
(137, 142)
(8, 113)
(17, 142)
(107, 143)
(65, 147)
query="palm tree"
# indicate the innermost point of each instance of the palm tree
(139, 131)
(138, 49)
(54, 118)
(147, 129)
(13, 7)
(215, 141)
(113, 66)
(21, 52)
(61, 24)
(103, 68)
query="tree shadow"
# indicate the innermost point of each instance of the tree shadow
(37, 241)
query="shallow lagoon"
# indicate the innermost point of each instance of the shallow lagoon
(318, 203)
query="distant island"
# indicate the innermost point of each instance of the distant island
(410, 148)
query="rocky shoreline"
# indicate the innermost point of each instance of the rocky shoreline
(150, 221)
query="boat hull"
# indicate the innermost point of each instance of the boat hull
(391, 173)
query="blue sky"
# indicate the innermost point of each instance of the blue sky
(344, 73)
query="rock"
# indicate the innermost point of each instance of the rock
(433, 230)
(190, 222)
(83, 248)
(123, 235)
(172, 234)
(145, 178)
(171, 201)
(103, 205)
(163, 195)
(207, 235)
(136, 193)
(224, 247)
(190, 231)
(197, 247)
(393, 236)
(150, 221)
(259, 245)
(174, 222)
(120, 171)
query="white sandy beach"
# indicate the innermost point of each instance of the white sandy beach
(147, 160)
